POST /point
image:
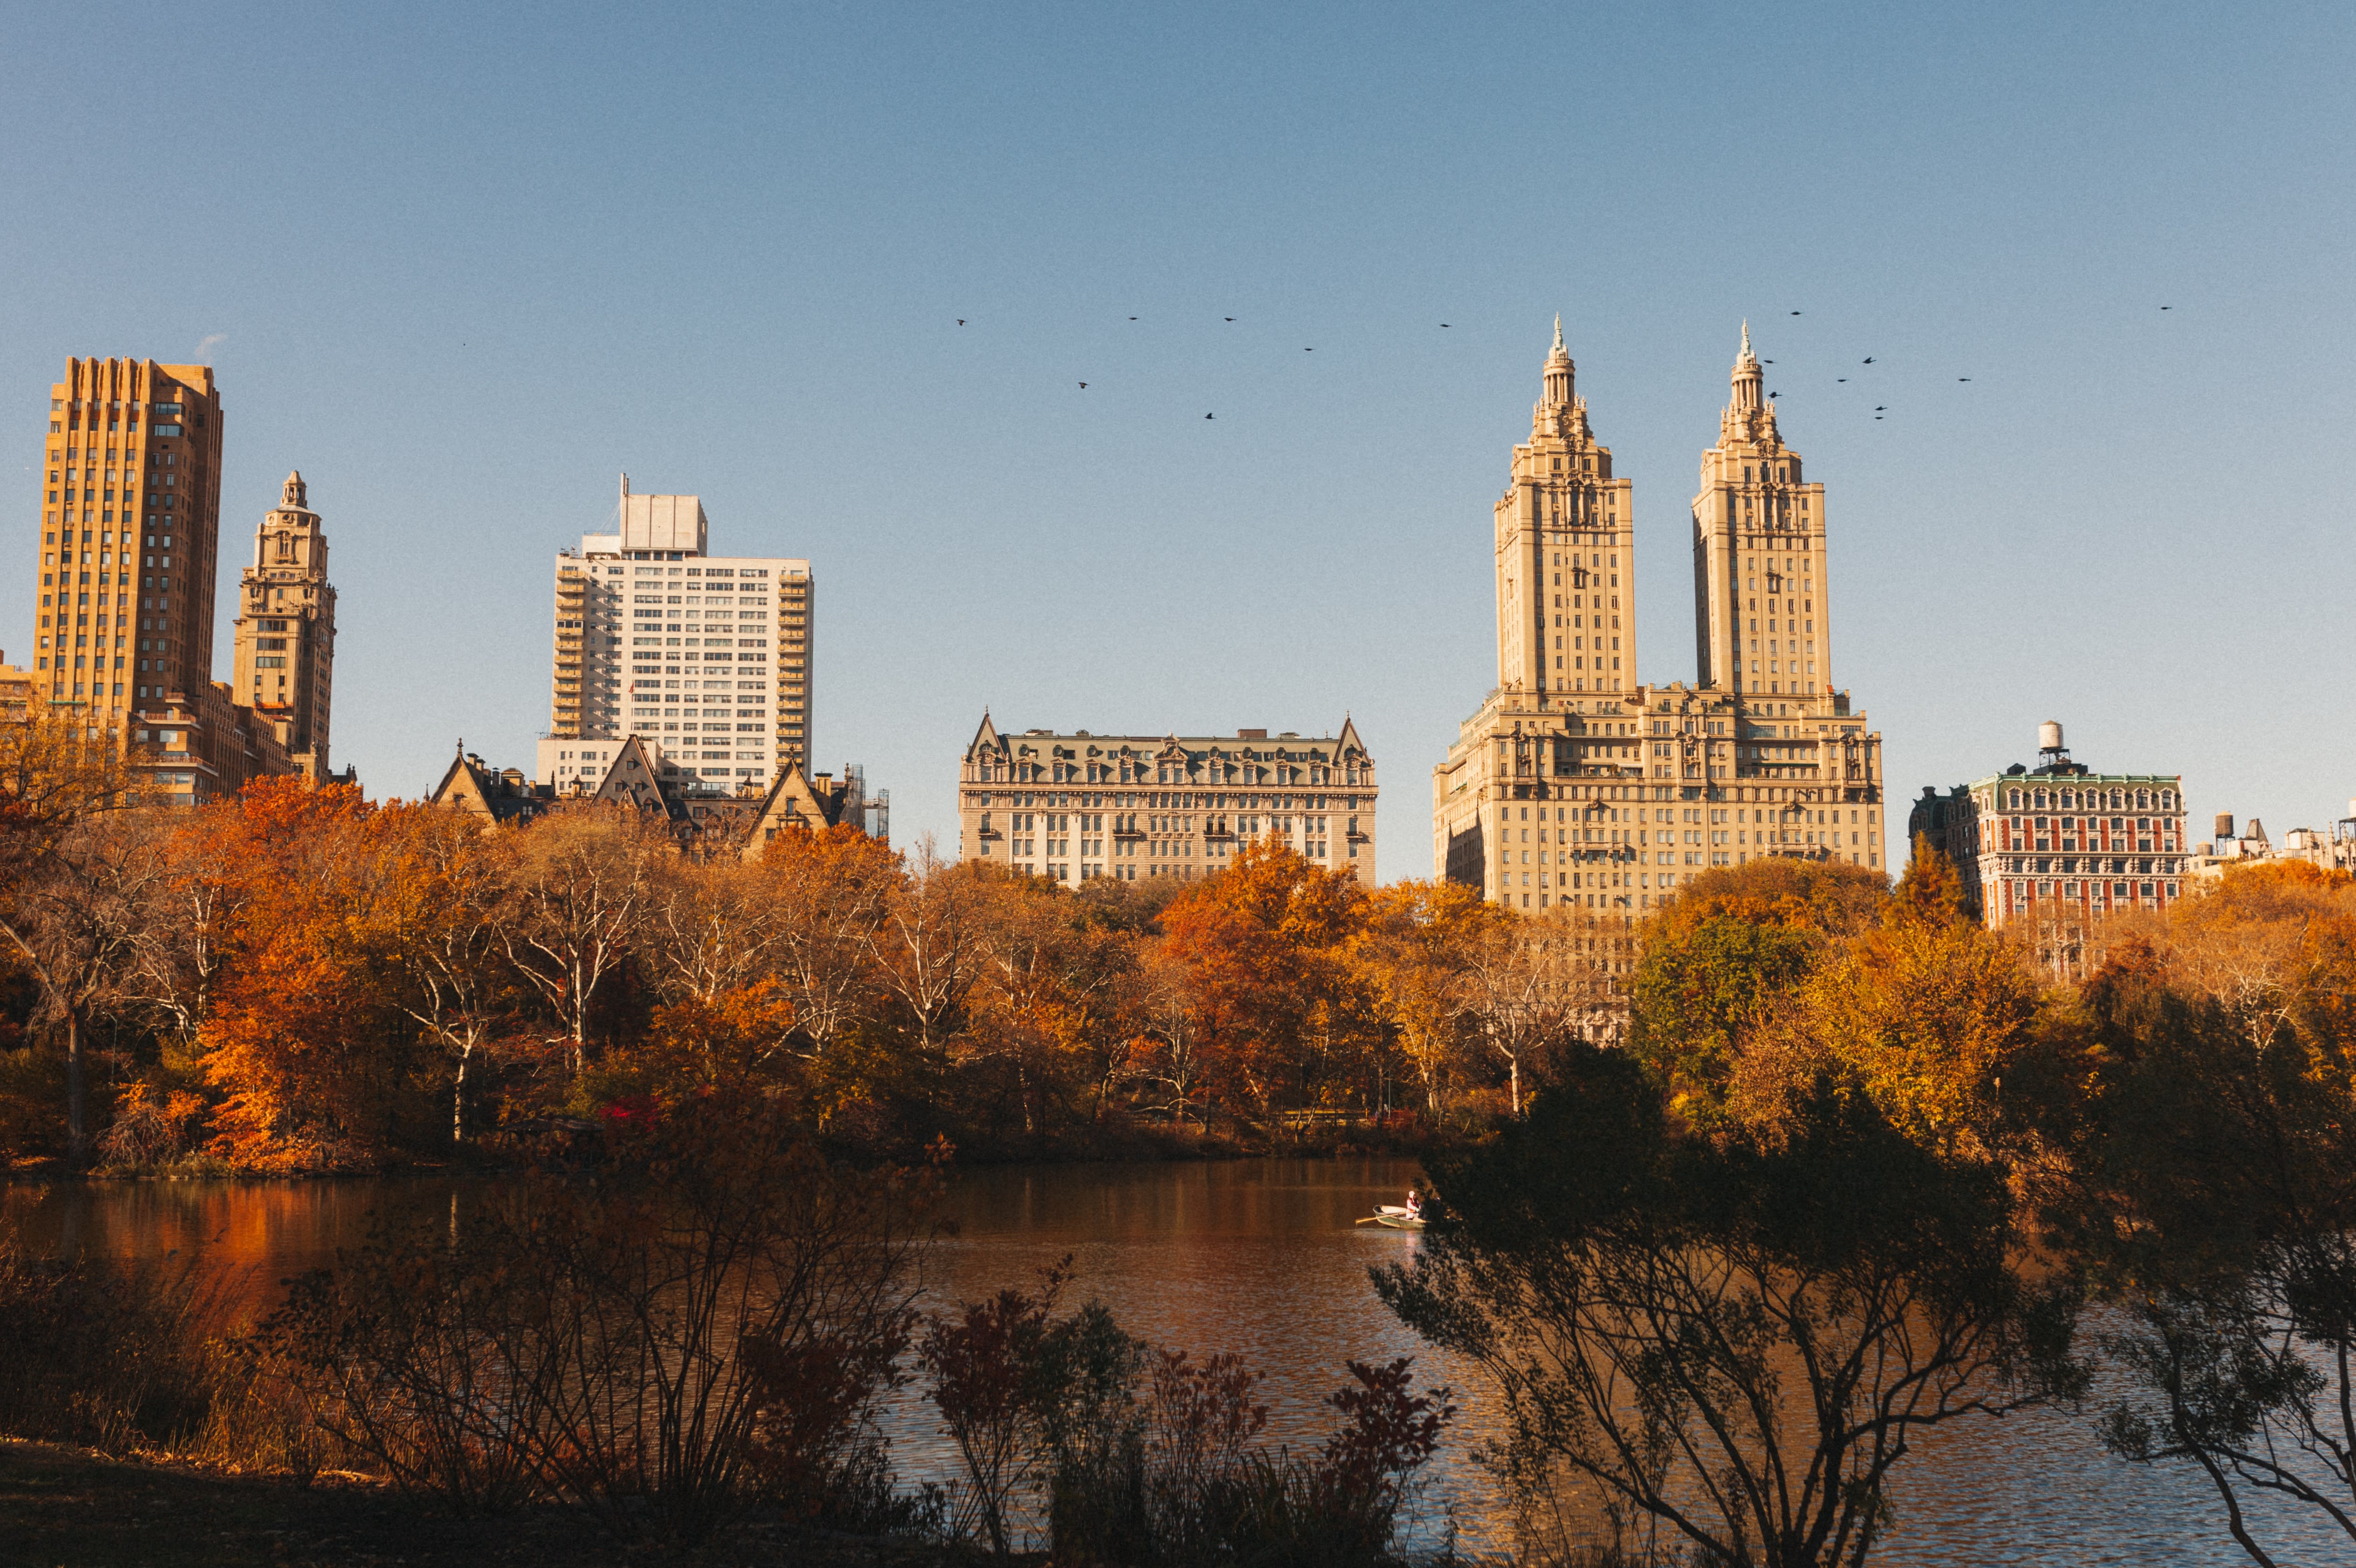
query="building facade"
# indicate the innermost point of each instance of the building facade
(130, 520)
(2059, 843)
(129, 555)
(1575, 782)
(642, 649)
(697, 819)
(1072, 807)
(285, 629)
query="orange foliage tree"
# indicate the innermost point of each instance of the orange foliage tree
(1274, 992)
(304, 1037)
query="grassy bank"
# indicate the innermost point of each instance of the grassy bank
(73, 1505)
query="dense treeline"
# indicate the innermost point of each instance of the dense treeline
(1859, 1172)
(301, 980)
(1763, 1189)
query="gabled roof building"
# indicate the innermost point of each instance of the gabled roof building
(702, 821)
(1072, 807)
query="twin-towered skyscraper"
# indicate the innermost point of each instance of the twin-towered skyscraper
(1576, 783)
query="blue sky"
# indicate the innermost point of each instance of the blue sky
(463, 265)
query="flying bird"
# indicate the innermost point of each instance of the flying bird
(1231, 318)
(1132, 318)
(1879, 407)
(960, 320)
(1084, 386)
(1840, 378)
(1963, 377)
(1795, 313)
(1869, 358)
(2168, 307)
(1774, 394)
(1207, 416)
(1443, 324)
(1309, 351)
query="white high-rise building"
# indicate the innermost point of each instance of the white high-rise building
(706, 656)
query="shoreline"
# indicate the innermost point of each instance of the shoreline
(67, 1504)
(1148, 1151)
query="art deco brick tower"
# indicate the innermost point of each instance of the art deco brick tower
(286, 629)
(129, 527)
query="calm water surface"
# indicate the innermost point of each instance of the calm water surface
(1260, 1258)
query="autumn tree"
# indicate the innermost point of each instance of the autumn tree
(833, 888)
(1536, 984)
(1731, 1339)
(720, 922)
(930, 947)
(1419, 950)
(2209, 1191)
(449, 905)
(1927, 1011)
(75, 870)
(584, 883)
(306, 1040)
(1727, 956)
(1055, 995)
(1266, 944)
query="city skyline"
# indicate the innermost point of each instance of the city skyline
(2077, 505)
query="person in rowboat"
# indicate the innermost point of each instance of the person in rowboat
(1414, 1204)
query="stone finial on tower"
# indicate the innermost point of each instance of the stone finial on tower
(1747, 380)
(1560, 374)
(296, 495)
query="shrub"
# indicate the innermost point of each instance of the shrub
(636, 1347)
(108, 1355)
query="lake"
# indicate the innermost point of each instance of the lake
(1259, 1257)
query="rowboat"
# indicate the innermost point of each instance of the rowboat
(1398, 1217)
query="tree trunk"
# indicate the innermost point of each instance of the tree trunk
(458, 1097)
(1514, 1064)
(77, 1090)
(580, 1024)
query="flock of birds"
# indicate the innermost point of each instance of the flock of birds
(1880, 410)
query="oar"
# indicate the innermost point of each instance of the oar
(1369, 1219)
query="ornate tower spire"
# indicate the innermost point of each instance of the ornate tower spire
(1747, 380)
(286, 627)
(1558, 401)
(1561, 376)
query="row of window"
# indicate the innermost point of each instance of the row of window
(2041, 799)
(1274, 803)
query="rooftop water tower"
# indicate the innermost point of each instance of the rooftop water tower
(2052, 754)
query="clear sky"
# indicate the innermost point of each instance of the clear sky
(463, 265)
